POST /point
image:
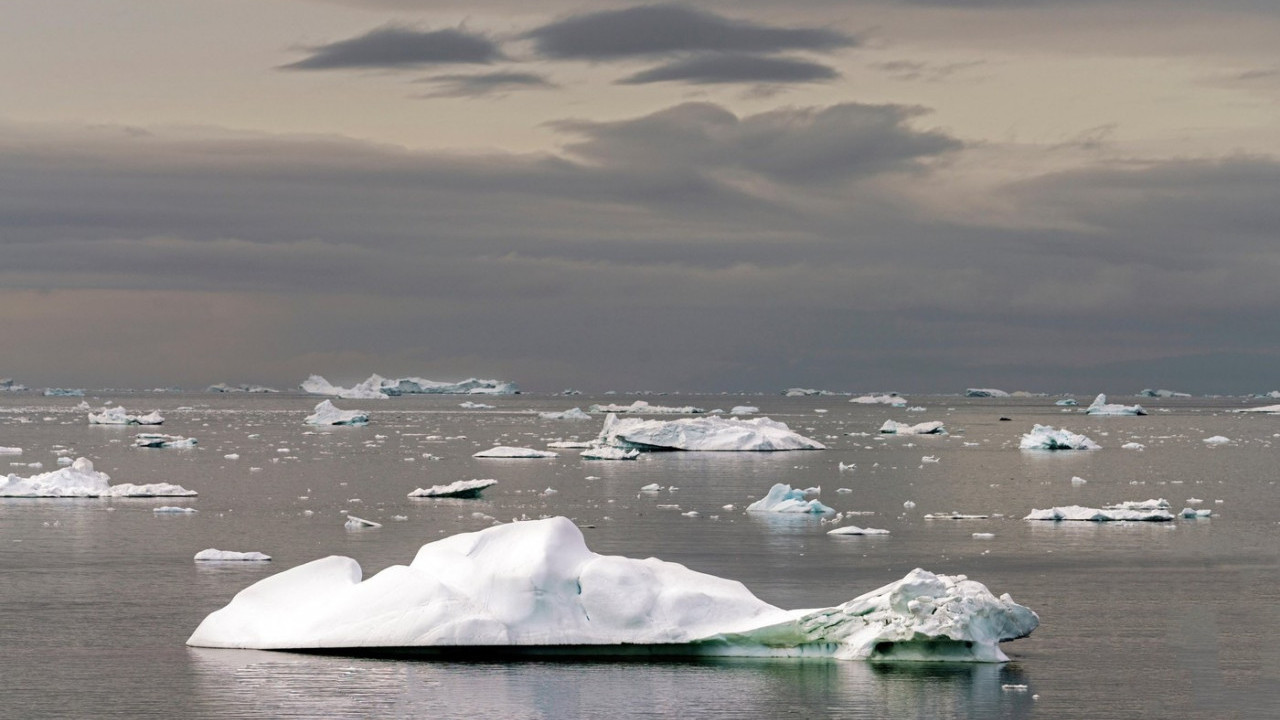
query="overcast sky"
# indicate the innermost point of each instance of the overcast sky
(916, 195)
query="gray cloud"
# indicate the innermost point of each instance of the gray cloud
(485, 84)
(734, 68)
(660, 29)
(397, 47)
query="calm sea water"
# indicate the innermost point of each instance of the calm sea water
(97, 597)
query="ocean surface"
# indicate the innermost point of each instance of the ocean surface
(1175, 619)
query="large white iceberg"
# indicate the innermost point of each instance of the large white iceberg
(534, 587)
(370, 389)
(886, 399)
(326, 414)
(782, 498)
(1045, 437)
(119, 416)
(1124, 511)
(705, 433)
(933, 427)
(505, 451)
(1100, 406)
(377, 387)
(640, 407)
(80, 480)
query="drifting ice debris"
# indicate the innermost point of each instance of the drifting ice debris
(572, 444)
(212, 555)
(1067, 402)
(1133, 446)
(535, 587)
(609, 453)
(1142, 511)
(805, 392)
(8, 385)
(1217, 440)
(158, 440)
(955, 516)
(855, 530)
(1077, 480)
(640, 407)
(10, 450)
(886, 399)
(570, 414)
(225, 388)
(173, 510)
(933, 427)
(119, 416)
(503, 451)
(1148, 392)
(63, 392)
(326, 414)
(1100, 406)
(1191, 513)
(468, 405)
(782, 498)
(985, 393)
(709, 434)
(459, 489)
(744, 410)
(1263, 409)
(1045, 437)
(80, 480)
(355, 523)
(378, 387)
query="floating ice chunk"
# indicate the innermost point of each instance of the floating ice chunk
(458, 489)
(159, 440)
(470, 386)
(709, 434)
(572, 444)
(855, 530)
(119, 416)
(213, 555)
(326, 414)
(10, 450)
(1133, 446)
(1078, 480)
(173, 510)
(1191, 513)
(908, 504)
(651, 488)
(469, 405)
(80, 480)
(985, 393)
(891, 399)
(1217, 440)
(609, 453)
(1045, 437)
(743, 410)
(231, 456)
(983, 536)
(370, 389)
(929, 459)
(640, 407)
(934, 427)
(355, 523)
(1067, 402)
(1152, 504)
(805, 392)
(955, 516)
(1148, 392)
(535, 586)
(1088, 514)
(570, 414)
(1263, 409)
(1100, 406)
(504, 451)
(782, 498)
(63, 392)
(225, 388)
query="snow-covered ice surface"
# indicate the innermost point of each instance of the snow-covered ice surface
(119, 416)
(327, 414)
(608, 452)
(1046, 437)
(642, 407)
(886, 399)
(215, 555)
(536, 585)
(370, 389)
(377, 387)
(80, 480)
(508, 452)
(855, 530)
(705, 434)
(985, 393)
(457, 489)
(783, 498)
(933, 427)
(1100, 406)
(160, 440)
(1089, 514)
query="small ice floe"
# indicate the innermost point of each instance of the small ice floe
(1191, 513)
(743, 410)
(119, 416)
(1067, 402)
(640, 407)
(1045, 437)
(983, 536)
(570, 414)
(1011, 687)
(459, 489)
(173, 510)
(844, 490)
(705, 433)
(1133, 446)
(691, 514)
(1100, 406)
(65, 460)
(845, 467)
(327, 414)
(63, 392)
(469, 405)
(890, 399)
(1077, 480)
(928, 459)
(231, 456)
(80, 480)
(782, 498)
(550, 491)
(1275, 409)
(355, 523)
(507, 452)
(1161, 393)
(10, 450)
(214, 555)
(909, 504)
(159, 440)
(1217, 440)
(609, 453)
(934, 427)
(955, 516)
(651, 488)
(855, 530)
(985, 393)
(1146, 510)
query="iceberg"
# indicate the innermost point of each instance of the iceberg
(707, 433)
(326, 414)
(1067, 402)
(609, 453)
(469, 405)
(1263, 409)
(378, 387)
(1100, 406)
(1088, 514)
(214, 555)
(805, 392)
(80, 480)
(119, 416)
(225, 388)
(504, 451)
(1045, 437)
(8, 385)
(855, 530)
(1148, 392)
(571, 414)
(63, 392)
(891, 399)
(1217, 440)
(782, 498)
(458, 489)
(370, 389)
(533, 588)
(158, 440)
(934, 427)
(640, 407)
(355, 523)
(743, 410)
(10, 450)
(174, 510)
(985, 393)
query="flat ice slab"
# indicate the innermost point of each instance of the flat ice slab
(887, 399)
(327, 414)
(214, 555)
(504, 451)
(80, 480)
(855, 530)
(1124, 512)
(570, 414)
(607, 452)
(640, 407)
(1263, 409)
(933, 427)
(1045, 437)
(160, 440)
(535, 586)
(783, 498)
(119, 416)
(459, 489)
(705, 433)
(1100, 406)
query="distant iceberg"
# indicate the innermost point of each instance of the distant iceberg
(571, 414)
(225, 388)
(119, 416)
(744, 410)
(9, 385)
(458, 489)
(805, 392)
(10, 450)
(370, 389)
(706, 433)
(534, 587)
(504, 451)
(985, 393)
(1045, 437)
(327, 414)
(855, 530)
(214, 555)
(783, 498)
(63, 392)
(640, 407)
(1100, 406)
(1067, 402)
(892, 399)
(1263, 409)
(378, 387)
(159, 440)
(1148, 392)
(1123, 512)
(80, 480)
(933, 427)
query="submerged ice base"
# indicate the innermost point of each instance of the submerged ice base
(535, 585)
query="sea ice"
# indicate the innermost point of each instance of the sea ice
(212, 555)
(469, 405)
(1115, 513)
(326, 414)
(1191, 513)
(1263, 409)
(1045, 437)
(80, 480)
(933, 427)
(535, 586)
(855, 530)
(640, 407)
(1148, 392)
(159, 440)
(355, 523)
(1133, 446)
(370, 389)
(119, 416)
(570, 414)
(744, 410)
(503, 451)
(10, 450)
(885, 399)
(225, 388)
(458, 489)
(607, 452)
(1067, 402)
(708, 433)
(985, 393)
(173, 510)
(782, 498)
(63, 392)
(470, 386)
(1217, 440)
(1100, 406)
